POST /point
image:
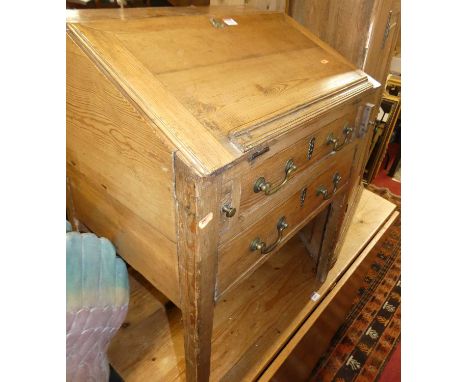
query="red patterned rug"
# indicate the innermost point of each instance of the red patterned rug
(363, 345)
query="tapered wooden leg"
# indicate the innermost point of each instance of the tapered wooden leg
(321, 236)
(330, 235)
(198, 219)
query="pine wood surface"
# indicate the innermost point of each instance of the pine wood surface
(167, 115)
(239, 180)
(332, 20)
(89, 16)
(245, 338)
(384, 37)
(356, 186)
(103, 128)
(218, 91)
(267, 5)
(366, 32)
(273, 167)
(299, 356)
(329, 235)
(371, 214)
(197, 253)
(237, 261)
(356, 29)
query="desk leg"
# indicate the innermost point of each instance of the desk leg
(325, 234)
(198, 201)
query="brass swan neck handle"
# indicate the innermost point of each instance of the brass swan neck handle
(337, 146)
(259, 245)
(322, 190)
(261, 185)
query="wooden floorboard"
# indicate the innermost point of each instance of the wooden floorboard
(299, 356)
(252, 323)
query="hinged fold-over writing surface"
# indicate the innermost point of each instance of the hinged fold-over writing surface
(218, 92)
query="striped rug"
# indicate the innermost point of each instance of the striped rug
(363, 345)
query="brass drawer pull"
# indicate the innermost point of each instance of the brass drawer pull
(258, 245)
(262, 185)
(322, 190)
(331, 140)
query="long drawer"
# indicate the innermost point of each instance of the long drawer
(241, 255)
(272, 177)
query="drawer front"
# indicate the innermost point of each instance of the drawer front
(242, 254)
(274, 174)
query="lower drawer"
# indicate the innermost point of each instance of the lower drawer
(241, 255)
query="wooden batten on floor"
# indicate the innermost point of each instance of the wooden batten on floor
(246, 338)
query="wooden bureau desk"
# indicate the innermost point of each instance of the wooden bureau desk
(208, 152)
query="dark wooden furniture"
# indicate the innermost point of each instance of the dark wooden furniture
(384, 128)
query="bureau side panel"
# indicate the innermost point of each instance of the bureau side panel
(120, 173)
(356, 185)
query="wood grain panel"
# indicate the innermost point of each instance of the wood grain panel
(272, 168)
(87, 16)
(336, 214)
(344, 24)
(237, 261)
(114, 155)
(245, 337)
(382, 42)
(297, 360)
(355, 28)
(270, 159)
(243, 172)
(140, 244)
(223, 101)
(198, 225)
(203, 96)
(356, 186)
(164, 114)
(188, 53)
(266, 5)
(372, 214)
(199, 147)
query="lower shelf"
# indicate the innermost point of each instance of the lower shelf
(298, 357)
(252, 323)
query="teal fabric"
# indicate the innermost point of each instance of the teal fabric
(96, 277)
